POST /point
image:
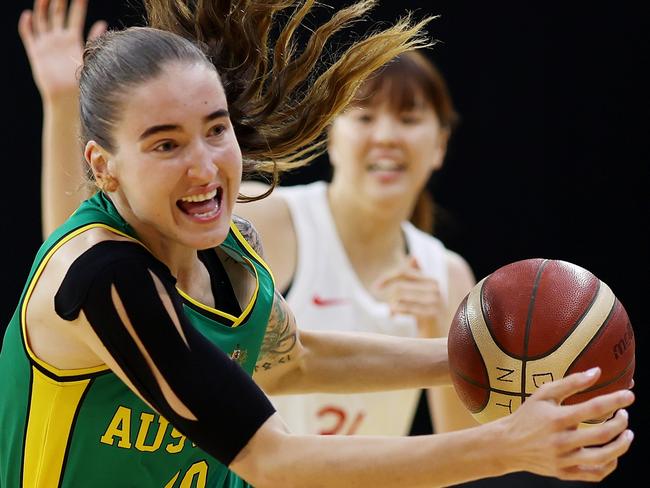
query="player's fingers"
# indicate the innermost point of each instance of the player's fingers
(407, 275)
(599, 456)
(25, 29)
(560, 389)
(77, 14)
(57, 13)
(417, 309)
(588, 473)
(415, 301)
(596, 435)
(97, 29)
(40, 23)
(423, 292)
(598, 407)
(413, 263)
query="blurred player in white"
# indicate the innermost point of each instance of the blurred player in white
(346, 256)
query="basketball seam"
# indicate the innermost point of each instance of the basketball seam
(601, 331)
(529, 319)
(487, 387)
(613, 380)
(570, 330)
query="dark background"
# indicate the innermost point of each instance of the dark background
(550, 160)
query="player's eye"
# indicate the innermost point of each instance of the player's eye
(216, 130)
(409, 119)
(365, 118)
(165, 146)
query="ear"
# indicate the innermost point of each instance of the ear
(98, 159)
(441, 149)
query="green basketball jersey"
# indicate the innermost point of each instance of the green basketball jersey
(85, 428)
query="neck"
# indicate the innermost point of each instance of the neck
(371, 234)
(181, 260)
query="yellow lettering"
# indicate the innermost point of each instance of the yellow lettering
(172, 482)
(119, 427)
(145, 421)
(178, 447)
(200, 472)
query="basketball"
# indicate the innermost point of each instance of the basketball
(531, 322)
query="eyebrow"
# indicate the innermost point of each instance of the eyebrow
(169, 127)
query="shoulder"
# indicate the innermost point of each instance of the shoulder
(270, 213)
(249, 232)
(104, 265)
(460, 274)
(268, 219)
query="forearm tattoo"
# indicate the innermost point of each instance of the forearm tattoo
(250, 234)
(281, 337)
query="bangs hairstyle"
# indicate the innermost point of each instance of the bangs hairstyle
(407, 83)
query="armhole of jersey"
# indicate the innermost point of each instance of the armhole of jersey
(241, 240)
(425, 245)
(47, 369)
(306, 248)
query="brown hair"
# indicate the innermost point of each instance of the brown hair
(278, 105)
(405, 82)
(118, 60)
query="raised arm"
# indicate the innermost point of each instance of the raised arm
(53, 39)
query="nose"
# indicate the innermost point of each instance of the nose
(201, 164)
(385, 130)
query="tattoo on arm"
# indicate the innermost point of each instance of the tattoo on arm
(281, 336)
(250, 234)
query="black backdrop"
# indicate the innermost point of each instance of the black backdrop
(550, 160)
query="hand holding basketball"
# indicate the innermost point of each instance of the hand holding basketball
(545, 438)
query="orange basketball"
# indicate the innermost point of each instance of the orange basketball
(531, 322)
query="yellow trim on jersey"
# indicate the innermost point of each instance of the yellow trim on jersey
(242, 240)
(235, 320)
(52, 410)
(28, 294)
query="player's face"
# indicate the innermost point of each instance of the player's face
(178, 163)
(383, 153)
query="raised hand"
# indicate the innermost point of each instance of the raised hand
(550, 440)
(409, 291)
(52, 35)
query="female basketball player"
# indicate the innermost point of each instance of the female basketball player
(443, 280)
(346, 255)
(144, 311)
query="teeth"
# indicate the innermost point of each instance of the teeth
(385, 166)
(200, 198)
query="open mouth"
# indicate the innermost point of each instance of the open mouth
(202, 206)
(387, 166)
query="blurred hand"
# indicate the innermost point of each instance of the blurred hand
(53, 38)
(546, 439)
(407, 290)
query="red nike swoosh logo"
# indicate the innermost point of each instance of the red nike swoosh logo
(327, 302)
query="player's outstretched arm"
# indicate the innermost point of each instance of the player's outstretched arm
(540, 437)
(301, 361)
(53, 38)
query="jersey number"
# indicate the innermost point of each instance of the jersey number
(339, 417)
(198, 471)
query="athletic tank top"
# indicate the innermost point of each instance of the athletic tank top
(85, 428)
(326, 294)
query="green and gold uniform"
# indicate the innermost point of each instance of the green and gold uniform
(85, 428)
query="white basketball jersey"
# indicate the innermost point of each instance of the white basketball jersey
(326, 294)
